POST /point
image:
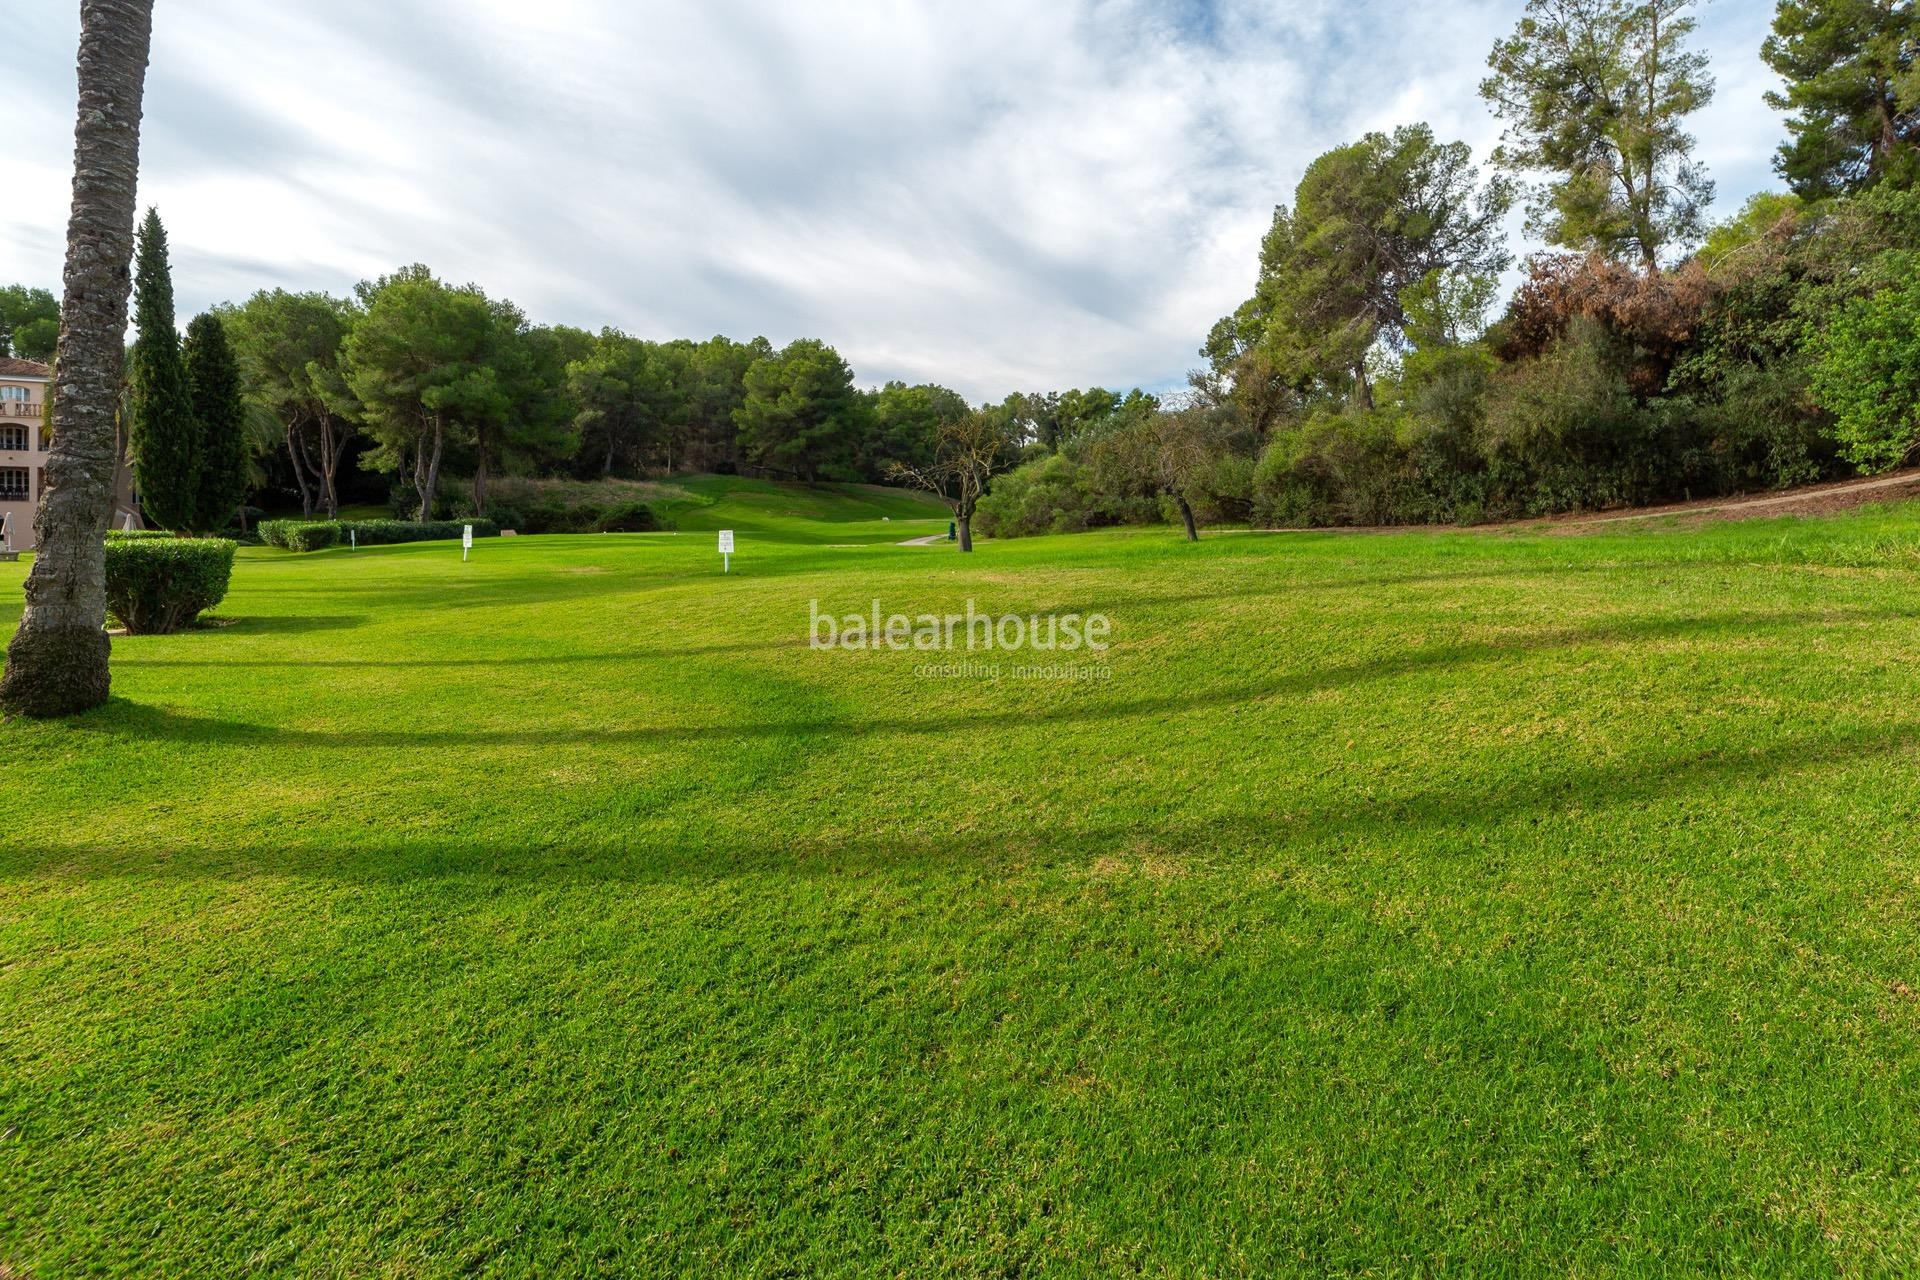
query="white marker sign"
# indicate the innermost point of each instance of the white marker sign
(726, 551)
(466, 540)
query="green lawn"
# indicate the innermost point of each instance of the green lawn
(1470, 903)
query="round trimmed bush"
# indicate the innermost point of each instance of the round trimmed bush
(158, 585)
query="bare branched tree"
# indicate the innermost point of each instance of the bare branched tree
(966, 453)
(1161, 456)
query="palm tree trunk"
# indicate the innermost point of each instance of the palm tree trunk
(57, 662)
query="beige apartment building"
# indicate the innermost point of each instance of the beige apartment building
(23, 453)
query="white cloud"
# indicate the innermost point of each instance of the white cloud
(998, 194)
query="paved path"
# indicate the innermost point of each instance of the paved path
(927, 541)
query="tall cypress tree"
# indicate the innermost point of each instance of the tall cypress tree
(163, 435)
(213, 381)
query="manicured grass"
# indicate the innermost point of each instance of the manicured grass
(1473, 903)
(762, 509)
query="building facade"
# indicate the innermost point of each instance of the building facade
(23, 453)
(23, 449)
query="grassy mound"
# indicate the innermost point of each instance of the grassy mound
(763, 510)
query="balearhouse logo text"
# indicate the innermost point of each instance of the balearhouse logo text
(929, 632)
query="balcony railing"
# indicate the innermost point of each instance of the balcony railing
(18, 409)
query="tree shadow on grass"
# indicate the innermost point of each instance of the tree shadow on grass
(1085, 705)
(1452, 802)
(1278, 577)
(282, 624)
(613, 659)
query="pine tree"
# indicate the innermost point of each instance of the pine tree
(213, 382)
(1595, 95)
(163, 436)
(1849, 67)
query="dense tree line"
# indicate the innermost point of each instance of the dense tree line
(1644, 355)
(411, 381)
(416, 379)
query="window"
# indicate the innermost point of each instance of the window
(13, 484)
(15, 393)
(13, 438)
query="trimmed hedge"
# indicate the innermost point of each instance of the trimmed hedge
(374, 533)
(160, 584)
(312, 535)
(299, 535)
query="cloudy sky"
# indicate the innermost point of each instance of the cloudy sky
(995, 194)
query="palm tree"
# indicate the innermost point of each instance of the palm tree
(57, 663)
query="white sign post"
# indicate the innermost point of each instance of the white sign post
(353, 539)
(466, 540)
(726, 551)
(6, 532)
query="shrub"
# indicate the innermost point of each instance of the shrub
(627, 517)
(1055, 494)
(1223, 491)
(1338, 468)
(1763, 427)
(503, 516)
(376, 533)
(160, 584)
(312, 535)
(562, 517)
(274, 532)
(1565, 432)
(1866, 371)
(551, 515)
(128, 535)
(299, 535)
